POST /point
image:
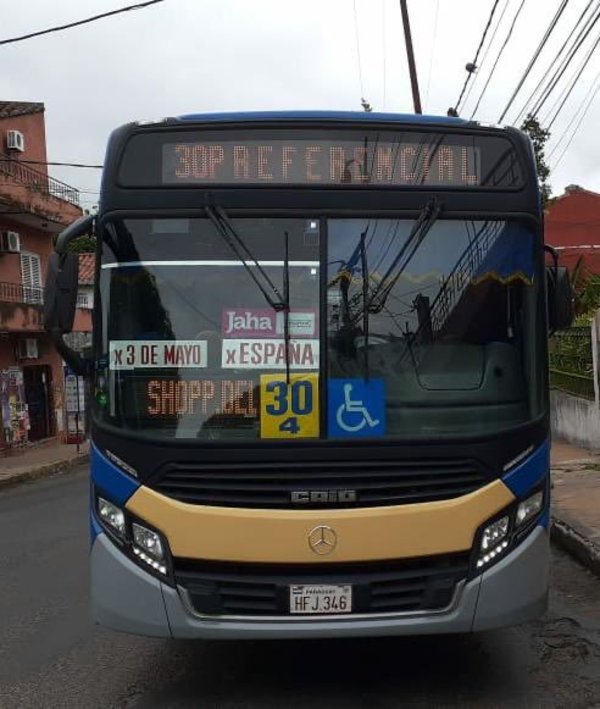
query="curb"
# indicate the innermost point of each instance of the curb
(42, 471)
(578, 546)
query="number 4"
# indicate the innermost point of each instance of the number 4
(290, 425)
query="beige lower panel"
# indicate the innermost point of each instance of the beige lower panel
(228, 534)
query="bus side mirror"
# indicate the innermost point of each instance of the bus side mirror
(560, 298)
(60, 295)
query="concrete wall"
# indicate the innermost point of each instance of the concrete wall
(575, 420)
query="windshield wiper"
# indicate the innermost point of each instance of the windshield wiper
(365, 294)
(279, 303)
(286, 309)
(238, 247)
(426, 219)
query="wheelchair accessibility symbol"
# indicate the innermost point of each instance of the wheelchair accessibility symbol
(356, 407)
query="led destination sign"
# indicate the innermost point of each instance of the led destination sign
(322, 162)
(169, 397)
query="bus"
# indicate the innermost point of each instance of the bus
(319, 376)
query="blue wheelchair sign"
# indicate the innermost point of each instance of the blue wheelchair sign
(356, 408)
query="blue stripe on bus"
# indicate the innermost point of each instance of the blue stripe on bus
(544, 520)
(95, 528)
(529, 472)
(108, 477)
(360, 116)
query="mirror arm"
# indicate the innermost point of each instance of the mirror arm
(79, 364)
(80, 227)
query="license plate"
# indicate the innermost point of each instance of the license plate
(320, 599)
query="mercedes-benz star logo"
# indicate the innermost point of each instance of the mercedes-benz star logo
(322, 540)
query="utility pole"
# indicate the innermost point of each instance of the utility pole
(411, 58)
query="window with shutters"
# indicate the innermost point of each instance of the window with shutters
(31, 278)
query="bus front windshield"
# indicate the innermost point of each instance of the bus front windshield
(437, 324)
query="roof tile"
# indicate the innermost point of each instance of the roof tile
(86, 269)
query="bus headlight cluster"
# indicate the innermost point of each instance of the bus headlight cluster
(496, 538)
(112, 516)
(142, 544)
(493, 541)
(148, 547)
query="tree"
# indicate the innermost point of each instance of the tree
(539, 137)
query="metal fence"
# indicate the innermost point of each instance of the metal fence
(17, 293)
(37, 181)
(572, 361)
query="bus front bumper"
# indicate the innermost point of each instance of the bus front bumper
(126, 598)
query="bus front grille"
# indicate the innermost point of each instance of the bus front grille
(314, 485)
(406, 586)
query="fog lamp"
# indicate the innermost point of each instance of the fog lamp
(112, 516)
(148, 547)
(493, 541)
(529, 507)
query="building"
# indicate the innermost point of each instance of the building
(572, 226)
(34, 207)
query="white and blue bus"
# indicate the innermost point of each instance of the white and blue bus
(319, 374)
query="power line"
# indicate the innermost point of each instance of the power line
(585, 105)
(473, 65)
(487, 51)
(579, 40)
(574, 82)
(535, 57)
(58, 164)
(556, 59)
(357, 40)
(384, 43)
(501, 51)
(583, 115)
(433, 45)
(60, 28)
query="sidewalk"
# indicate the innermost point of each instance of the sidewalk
(576, 502)
(34, 463)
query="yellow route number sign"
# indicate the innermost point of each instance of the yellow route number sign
(289, 410)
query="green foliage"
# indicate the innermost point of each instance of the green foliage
(588, 300)
(83, 244)
(539, 137)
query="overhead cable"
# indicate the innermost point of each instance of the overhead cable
(60, 28)
(357, 40)
(501, 51)
(535, 56)
(59, 164)
(557, 58)
(486, 52)
(558, 75)
(574, 82)
(472, 66)
(579, 114)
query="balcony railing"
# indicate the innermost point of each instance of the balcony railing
(17, 293)
(37, 181)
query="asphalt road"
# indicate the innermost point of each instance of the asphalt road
(52, 656)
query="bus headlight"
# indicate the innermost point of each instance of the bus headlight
(497, 537)
(493, 540)
(148, 547)
(143, 545)
(530, 507)
(112, 516)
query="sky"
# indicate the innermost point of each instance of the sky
(193, 56)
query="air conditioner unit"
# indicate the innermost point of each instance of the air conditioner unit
(10, 242)
(15, 140)
(28, 348)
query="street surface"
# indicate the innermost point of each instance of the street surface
(52, 656)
